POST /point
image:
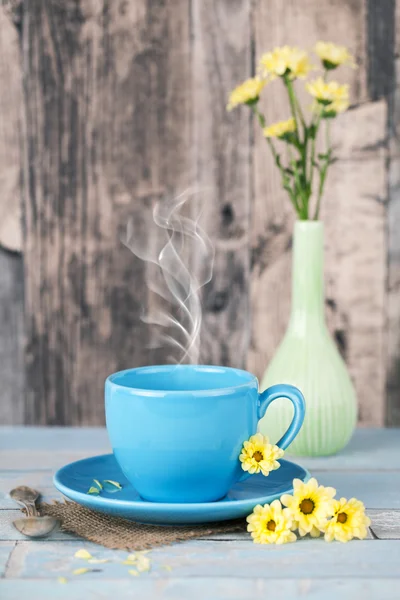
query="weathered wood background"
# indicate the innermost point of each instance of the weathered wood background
(105, 105)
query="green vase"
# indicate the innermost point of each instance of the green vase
(308, 358)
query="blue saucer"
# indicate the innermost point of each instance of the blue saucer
(74, 480)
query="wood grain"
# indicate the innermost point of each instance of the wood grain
(103, 133)
(11, 267)
(124, 102)
(385, 524)
(355, 221)
(173, 587)
(393, 241)
(220, 566)
(381, 32)
(10, 132)
(222, 59)
(202, 559)
(11, 338)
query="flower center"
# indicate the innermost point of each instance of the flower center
(271, 525)
(307, 506)
(258, 456)
(342, 517)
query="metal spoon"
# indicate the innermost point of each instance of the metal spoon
(26, 497)
(33, 525)
(36, 527)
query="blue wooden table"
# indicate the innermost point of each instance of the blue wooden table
(221, 566)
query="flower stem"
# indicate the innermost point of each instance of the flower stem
(324, 170)
(292, 101)
(313, 144)
(303, 187)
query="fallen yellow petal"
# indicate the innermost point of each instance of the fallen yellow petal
(80, 571)
(131, 557)
(62, 580)
(143, 566)
(98, 561)
(133, 572)
(83, 554)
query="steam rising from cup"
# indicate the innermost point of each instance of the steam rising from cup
(183, 256)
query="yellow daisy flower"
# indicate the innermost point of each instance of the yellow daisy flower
(332, 55)
(280, 129)
(271, 524)
(349, 520)
(247, 92)
(335, 107)
(327, 92)
(287, 60)
(310, 506)
(259, 455)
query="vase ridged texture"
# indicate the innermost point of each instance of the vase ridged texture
(309, 359)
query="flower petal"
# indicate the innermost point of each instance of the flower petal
(83, 554)
(80, 571)
(286, 499)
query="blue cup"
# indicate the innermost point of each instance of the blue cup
(177, 430)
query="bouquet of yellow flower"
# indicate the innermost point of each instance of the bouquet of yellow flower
(298, 133)
(311, 509)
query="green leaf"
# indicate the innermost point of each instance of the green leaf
(93, 490)
(97, 482)
(329, 114)
(290, 138)
(329, 66)
(323, 102)
(252, 101)
(312, 131)
(112, 486)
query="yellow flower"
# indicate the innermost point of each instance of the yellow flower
(332, 55)
(333, 96)
(349, 521)
(310, 506)
(138, 560)
(328, 91)
(83, 554)
(280, 129)
(259, 455)
(335, 107)
(271, 524)
(286, 60)
(247, 92)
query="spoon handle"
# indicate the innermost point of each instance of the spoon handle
(31, 509)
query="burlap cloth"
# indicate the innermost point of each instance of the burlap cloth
(114, 532)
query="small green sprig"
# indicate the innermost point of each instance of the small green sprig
(107, 485)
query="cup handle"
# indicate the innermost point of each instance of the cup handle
(292, 393)
(283, 390)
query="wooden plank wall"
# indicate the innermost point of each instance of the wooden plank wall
(125, 101)
(12, 371)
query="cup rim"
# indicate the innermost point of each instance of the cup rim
(212, 391)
